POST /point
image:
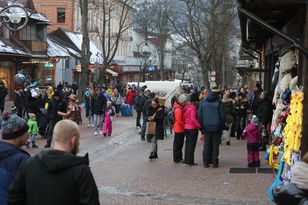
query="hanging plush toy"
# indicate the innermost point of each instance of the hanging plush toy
(287, 62)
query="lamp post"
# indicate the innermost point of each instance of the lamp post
(144, 52)
(14, 17)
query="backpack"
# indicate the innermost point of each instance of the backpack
(170, 116)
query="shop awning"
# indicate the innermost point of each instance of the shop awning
(114, 74)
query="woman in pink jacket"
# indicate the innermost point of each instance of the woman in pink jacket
(191, 126)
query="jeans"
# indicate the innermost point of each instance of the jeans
(138, 118)
(144, 126)
(98, 122)
(131, 109)
(190, 145)
(211, 147)
(90, 117)
(32, 139)
(178, 143)
(153, 143)
(50, 132)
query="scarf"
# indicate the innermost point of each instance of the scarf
(300, 176)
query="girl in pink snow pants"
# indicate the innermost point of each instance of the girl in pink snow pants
(107, 129)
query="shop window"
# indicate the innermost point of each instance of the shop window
(61, 15)
(67, 63)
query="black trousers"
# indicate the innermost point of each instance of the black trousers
(50, 131)
(178, 143)
(211, 147)
(138, 118)
(190, 145)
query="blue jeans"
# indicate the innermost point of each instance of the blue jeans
(98, 122)
(131, 109)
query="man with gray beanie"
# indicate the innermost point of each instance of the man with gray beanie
(14, 136)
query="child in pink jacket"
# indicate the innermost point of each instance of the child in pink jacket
(253, 135)
(107, 128)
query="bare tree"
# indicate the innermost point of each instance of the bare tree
(152, 18)
(85, 54)
(196, 22)
(115, 20)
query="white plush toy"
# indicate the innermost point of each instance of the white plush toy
(287, 62)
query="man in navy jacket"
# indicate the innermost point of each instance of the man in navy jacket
(211, 116)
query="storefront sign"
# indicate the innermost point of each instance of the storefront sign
(48, 65)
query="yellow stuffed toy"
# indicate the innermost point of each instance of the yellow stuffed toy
(292, 132)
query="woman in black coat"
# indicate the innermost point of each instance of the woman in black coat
(156, 113)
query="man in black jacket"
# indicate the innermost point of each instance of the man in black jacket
(139, 102)
(98, 105)
(148, 99)
(54, 106)
(56, 176)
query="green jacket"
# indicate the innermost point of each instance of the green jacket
(33, 128)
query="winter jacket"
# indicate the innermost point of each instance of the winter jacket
(53, 107)
(190, 118)
(147, 103)
(252, 133)
(159, 119)
(130, 96)
(3, 94)
(107, 96)
(98, 104)
(211, 114)
(240, 109)
(54, 177)
(290, 194)
(265, 111)
(139, 102)
(19, 100)
(87, 99)
(11, 159)
(178, 126)
(33, 127)
(116, 99)
(229, 108)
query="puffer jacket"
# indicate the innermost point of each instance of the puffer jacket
(229, 107)
(11, 159)
(190, 117)
(211, 114)
(178, 126)
(252, 133)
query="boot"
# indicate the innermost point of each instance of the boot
(228, 143)
(155, 156)
(151, 155)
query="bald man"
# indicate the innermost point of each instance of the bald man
(56, 176)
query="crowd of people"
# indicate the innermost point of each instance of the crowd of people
(215, 114)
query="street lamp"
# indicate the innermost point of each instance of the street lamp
(12, 17)
(144, 52)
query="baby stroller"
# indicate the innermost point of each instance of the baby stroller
(42, 122)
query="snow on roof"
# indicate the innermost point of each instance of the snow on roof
(55, 50)
(8, 49)
(38, 16)
(76, 38)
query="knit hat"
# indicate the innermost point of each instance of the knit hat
(109, 102)
(13, 126)
(254, 120)
(215, 89)
(182, 98)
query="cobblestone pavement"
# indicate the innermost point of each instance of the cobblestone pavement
(125, 176)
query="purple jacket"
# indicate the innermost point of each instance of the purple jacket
(190, 118)
(252, 133)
